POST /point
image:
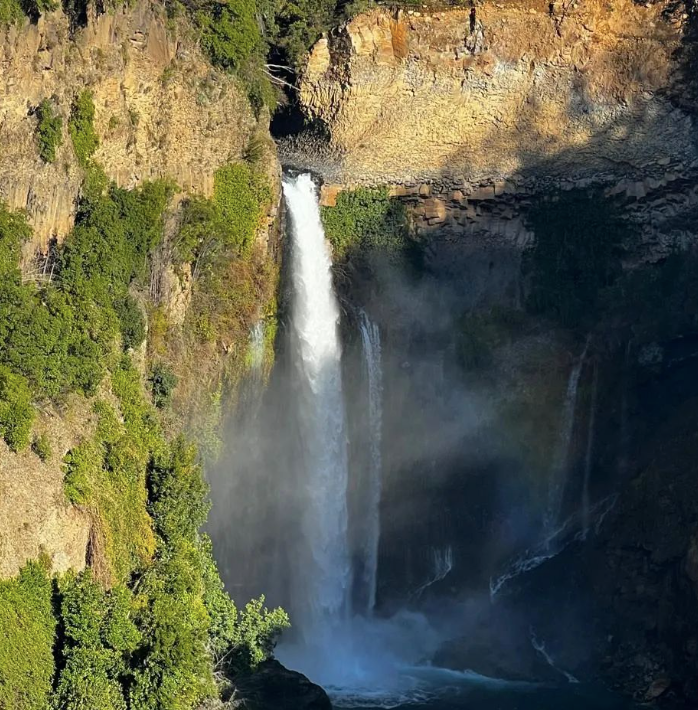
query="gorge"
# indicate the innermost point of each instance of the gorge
(408, 360)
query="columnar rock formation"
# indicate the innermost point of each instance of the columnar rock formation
(516, 87)
(161, 110)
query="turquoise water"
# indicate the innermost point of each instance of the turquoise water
(437, 689)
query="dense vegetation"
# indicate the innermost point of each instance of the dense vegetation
(49, 131)
(81, 127)
(28, 633)
(144, 626)
(365, 219)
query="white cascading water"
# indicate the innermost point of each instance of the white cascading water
(361, 660)
(257, 347)
(371, 341)
(321, 588)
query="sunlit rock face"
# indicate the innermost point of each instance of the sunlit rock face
(161, 110)
(516, 87)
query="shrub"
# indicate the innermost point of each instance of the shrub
(229, 32)
(41, 446)
(131, 322)
(11, 12)
(366, 218)
(49, 131)
(240, 194)
(98, 638)
(81, 127)
(81, 467)
(178, 494)
(162, 381)
(26, 643)
(16, 410)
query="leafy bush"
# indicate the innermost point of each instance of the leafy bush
(98, 638)
(230, 33)
(81, 127)
(41, 446)
(49, 131)
(57, 335)
(162, 381)
(366, 218)
(26, 643)
(80, 470)
(131, 322)
(11, 12)
(228, 222)
(240, 195)
(16, 410)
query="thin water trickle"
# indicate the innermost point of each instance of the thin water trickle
(371, 341)
(560, 469)
(588, 457)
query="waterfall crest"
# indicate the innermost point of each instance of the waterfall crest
(321, 580)
(370, 339)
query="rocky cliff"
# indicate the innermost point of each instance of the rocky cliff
(161, 109)
(507, 88)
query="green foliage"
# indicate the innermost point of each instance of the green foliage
(98, 638)
(230, 33)
(41, 446)
(240, 195)
(81, 127)
(49, 131)
(245, 638)
(131, 321)
(16, 410)
(178, 494)
(162, 383)
(366, 219)
(575, 255)
(57, 335)
(26, 642)
(293, 26)
(80, 470)
(11, 12)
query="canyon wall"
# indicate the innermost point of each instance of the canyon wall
(511, 88)
(161, 109)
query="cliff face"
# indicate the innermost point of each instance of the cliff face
(161, 110)
(515, 88)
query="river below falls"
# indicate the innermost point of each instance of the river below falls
(463, 691)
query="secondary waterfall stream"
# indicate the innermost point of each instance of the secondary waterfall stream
(370, 339)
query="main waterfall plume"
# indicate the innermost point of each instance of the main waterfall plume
(321, 582)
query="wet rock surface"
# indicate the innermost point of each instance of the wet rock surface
(274, 687)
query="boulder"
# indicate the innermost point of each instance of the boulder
(274, 687)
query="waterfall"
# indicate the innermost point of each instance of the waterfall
(589, 452)
(256, 352)
(558, 481)
(539, 646)
(441, 567)
(370, 338)
(321, 577)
